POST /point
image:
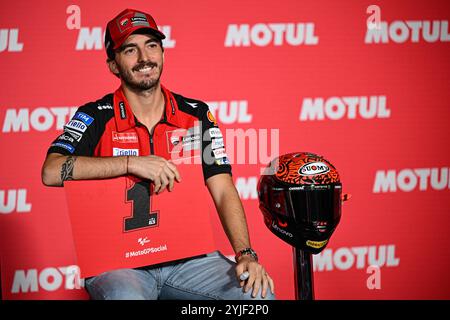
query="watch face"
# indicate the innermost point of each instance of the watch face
(248, 251)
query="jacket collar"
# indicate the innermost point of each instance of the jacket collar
(125, 119)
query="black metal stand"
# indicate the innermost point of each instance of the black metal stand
(303, 270)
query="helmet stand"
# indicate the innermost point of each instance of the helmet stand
(303, 272)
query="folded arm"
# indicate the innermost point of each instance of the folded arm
(58, 168)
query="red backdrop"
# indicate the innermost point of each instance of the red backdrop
(372, 101)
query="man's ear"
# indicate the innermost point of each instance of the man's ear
(113, 66)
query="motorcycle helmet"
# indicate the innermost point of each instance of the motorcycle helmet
(300, 196)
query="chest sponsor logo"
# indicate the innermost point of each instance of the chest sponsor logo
(184, 140)
(83, 117)
(125, 152)
(125, 137)
(76, 125)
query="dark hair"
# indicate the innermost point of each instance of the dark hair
(110, 51)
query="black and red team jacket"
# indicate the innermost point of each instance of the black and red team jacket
(108, 127)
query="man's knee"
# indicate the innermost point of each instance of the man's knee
(248, 296)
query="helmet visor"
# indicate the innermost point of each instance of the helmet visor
(317, 208)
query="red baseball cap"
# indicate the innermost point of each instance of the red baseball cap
(127, 22)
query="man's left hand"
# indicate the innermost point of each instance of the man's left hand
(258, 277)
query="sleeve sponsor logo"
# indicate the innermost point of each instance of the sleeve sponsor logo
(64, 145)
(222, 161)
(74, 134)
(192, 104)
(125, 152)
(211, 118)
(66, 137)
(215, 133)
(76, 125)
(125, 137)
(217, 143)
(219, 153)
(83, 117)
(105, 107)
(313, 168)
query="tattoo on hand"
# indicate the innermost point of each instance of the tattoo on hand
(67, 169)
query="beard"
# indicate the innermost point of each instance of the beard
(127, 77)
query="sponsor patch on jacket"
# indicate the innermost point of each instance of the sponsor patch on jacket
(66, 137)
(211, 118)
(184, 140)
(215, 133)
(64, 145)
(125, 137)
(83, 117)
(76, 125)
(217, 143)
(219, 153)
(104, 107)
(125, 152)
(74, 134)
(222, 161)
(123, 113)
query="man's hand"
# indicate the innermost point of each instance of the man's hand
(162, 172)
(258, 277)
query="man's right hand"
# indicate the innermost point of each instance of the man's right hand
(162, 172)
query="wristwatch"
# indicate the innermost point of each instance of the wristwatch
(246, 251)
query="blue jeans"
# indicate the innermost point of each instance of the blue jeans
(210, 277)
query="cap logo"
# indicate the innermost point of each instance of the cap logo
(313, 168)
(140, 19)
(123, 23)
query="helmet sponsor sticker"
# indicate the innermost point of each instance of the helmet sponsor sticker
(281, 230)
(316, 244)
(313, 168)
